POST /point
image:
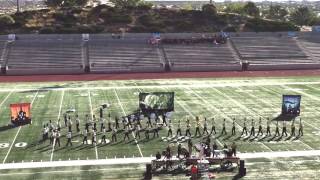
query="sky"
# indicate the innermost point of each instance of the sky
(233, 0)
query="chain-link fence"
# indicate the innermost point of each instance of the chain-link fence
(11, 6)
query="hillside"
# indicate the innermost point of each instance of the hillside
(103, 18)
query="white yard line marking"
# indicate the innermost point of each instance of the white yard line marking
(74, 171)
(242, 107)
(291, 89)
(143, 160)
(309, 96)
(166, 126)
(195, 85)
(193, 116)
(54, 140)
(91, 111)
(5, 99)
(15, 137)
(275, 92)
(224, 115)
(306, 94)
(123, 111)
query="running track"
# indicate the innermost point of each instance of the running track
(164, 75)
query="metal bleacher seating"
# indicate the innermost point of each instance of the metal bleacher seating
(109, 55)
(310, 43)
(50, 55)
(102, 53)
(2, 49)
(270, 51)
(201, 57)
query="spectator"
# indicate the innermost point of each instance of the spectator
(194, 172)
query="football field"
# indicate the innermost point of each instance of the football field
(223, 98)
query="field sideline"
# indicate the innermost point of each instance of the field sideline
(219, 98)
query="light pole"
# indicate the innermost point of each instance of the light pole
(18, 5)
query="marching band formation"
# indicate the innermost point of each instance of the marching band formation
(132, 126)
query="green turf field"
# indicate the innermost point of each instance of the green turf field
(218, 98)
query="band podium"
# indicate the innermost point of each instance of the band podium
(20, 114)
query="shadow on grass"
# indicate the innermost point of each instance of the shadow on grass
(282, 117)
(238, 138)
(246, 138)
(86, 146)
(228, 137)
(271, 139)
(47, 149)
(296, 138)
(7, 127)
(237, 176)
(253, 138)
(59, 148)
(279, 138)
(43, 147)
(263, 138)
(116, 143)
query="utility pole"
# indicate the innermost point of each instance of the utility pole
(18, 5)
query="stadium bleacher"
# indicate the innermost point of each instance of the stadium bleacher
(201, 57)
(2, 49)
(49, 56)
(268, 52)
(123, 55)
(310, 43)
(102, 53)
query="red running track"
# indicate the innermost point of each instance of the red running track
(165, 75)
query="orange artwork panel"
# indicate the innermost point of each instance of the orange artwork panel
(17, 108)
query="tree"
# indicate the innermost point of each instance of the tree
(124, 4)
(187, 7)
(53, 3)
(209, 10)
(251, 9)
(71, 3)
(302, 16)
(277, 13)
(65, 3)
(5, 21)
(234, 7)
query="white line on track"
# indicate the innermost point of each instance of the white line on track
(195, 85)
(75, 171)
(15, 137)
(123, 111)
(54, 140)
(91, 110)
(143, 160)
